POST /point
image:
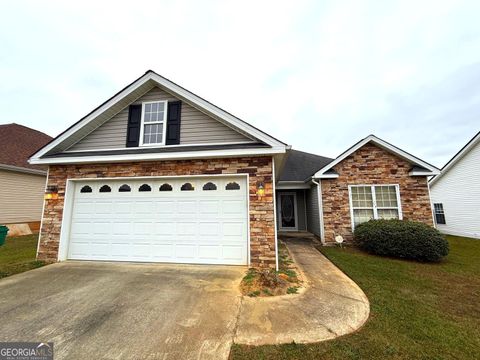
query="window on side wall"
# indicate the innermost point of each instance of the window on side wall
(154, 121)
(374, 202)
(439, 213)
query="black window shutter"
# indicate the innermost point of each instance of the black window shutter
(133, 127)
(173, 122)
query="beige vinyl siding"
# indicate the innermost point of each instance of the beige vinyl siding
(21, 197)
(196, 127)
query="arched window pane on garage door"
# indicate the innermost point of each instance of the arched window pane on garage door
(166, 187)
(232, 186)
(145, 187)
(187, 187)
(124, 188)
(86, 189)
(105, 189)
(209, 186)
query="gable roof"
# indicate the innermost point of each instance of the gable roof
(300, 166)
(132, 92)
(420, 167)
(18, 142)
(456, 158)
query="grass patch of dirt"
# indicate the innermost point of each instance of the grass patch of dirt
(268, 282)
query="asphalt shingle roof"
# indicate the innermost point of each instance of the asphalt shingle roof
(18, 143)
(301, 165)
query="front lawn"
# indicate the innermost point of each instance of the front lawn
(18, 255)
(418, 311)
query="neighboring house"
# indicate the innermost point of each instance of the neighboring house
(22, 184)
(455, 193)
(157, 173)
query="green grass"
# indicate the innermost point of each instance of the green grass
(18, 255)
(418, 310)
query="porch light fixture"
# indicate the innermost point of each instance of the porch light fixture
(51, 193)
(260, 189)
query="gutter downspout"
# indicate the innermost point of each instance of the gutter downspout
(320, 208)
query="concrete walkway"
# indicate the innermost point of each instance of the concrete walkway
(332, 305)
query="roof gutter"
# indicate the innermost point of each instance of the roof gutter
(23, 170)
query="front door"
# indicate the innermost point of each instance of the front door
(288, 211)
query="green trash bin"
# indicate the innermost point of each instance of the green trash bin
(3, 234)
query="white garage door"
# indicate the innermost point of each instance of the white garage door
(183, 220)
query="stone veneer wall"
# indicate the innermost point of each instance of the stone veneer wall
(261, 212)
(372, 165)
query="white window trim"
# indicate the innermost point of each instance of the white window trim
(374, 200)
(164, 122)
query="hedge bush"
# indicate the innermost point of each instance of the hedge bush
(403, 239)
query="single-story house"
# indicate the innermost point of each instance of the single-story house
(455, 192)
(22, 184)
(156, 173)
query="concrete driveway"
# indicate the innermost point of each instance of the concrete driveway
(124, 311)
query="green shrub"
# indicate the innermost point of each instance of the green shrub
(403, 239)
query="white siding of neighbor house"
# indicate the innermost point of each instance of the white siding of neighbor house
(21, 197)
(196, 127)
(313, 216)
(459, 191)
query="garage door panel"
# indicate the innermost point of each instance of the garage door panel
(121, 228)
(209, 207)
(233, 252)
(187, 206)
(199, 226)
(165, 228)
(186, 251)
(143, 207)
(142, 229)
(166, 207)
(210, 252)
(163, 251)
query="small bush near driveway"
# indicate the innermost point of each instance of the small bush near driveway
(402, 239)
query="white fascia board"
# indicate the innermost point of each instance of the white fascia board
(423, 173)
(158, 156)
(383, 144)
(174, 88)
(326, 176)
(288, 185)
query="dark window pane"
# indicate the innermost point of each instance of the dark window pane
(232, 186)
(187, 187)
(105, 189)
(124, 188)
(209, 186)
(166, 187)
(145, 187)
(86, 189)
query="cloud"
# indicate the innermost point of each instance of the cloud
(318, 75)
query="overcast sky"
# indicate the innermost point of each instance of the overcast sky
(319, 75)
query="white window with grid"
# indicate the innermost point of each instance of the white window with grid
(154, 120)
(374, 202)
